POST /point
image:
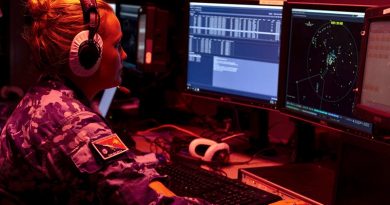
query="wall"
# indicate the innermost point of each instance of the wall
(21, 72)
(4, 39)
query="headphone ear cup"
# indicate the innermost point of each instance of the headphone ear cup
(197, 143)
(209, 150)
(89, 53)
(219, 152)
(221, 156)
(85, 55)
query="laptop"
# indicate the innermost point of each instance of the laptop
(106, 100)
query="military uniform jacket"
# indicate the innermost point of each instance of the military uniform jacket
(47, 154)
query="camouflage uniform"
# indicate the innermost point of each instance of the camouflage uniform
(46, 155)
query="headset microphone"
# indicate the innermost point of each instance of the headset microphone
(123, 89)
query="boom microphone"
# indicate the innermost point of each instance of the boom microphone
(123, 89)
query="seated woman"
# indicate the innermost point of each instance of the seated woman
(54, 148)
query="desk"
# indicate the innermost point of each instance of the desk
(232, 171)
(143, 145)
(309, 182)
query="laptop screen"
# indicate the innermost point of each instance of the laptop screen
(106, 100)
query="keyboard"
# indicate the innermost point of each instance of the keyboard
(192, 181)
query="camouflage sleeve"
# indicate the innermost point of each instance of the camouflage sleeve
(119, 179)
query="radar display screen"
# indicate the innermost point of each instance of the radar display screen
(323, 58)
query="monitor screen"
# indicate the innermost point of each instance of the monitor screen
(233, 52)
(373, 101)
(320, 61)
(375, 84)
(128, 16)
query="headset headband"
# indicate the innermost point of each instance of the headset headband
(86, 48)
(91, 16)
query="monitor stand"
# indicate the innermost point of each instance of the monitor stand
(252, 121)
(259, 129)
(303, 142)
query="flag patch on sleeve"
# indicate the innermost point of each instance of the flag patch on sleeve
(109, 146)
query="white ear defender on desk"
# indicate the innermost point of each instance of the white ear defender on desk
(209, 151)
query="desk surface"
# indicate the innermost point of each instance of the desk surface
(143, 144)
(232, 171)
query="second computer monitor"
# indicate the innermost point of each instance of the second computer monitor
(373, 96)
(320, 60)
(234, 52)
(129, 16)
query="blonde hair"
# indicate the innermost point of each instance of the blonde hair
(54, 23)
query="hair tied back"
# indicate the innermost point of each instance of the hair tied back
(37, 10)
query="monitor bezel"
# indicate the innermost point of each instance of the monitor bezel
(221, 97)
(284, 49)
(379, 118)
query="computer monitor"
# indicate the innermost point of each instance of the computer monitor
(128, 15)
(319, 62)
(152, 52)
(373, 96)
(233, 52)
(145, 36)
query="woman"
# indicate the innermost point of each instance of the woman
(54, 149)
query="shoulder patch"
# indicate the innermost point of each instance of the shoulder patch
(109, 146)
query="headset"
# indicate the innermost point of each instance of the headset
(87, 46)
(209, 151)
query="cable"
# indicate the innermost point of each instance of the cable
(233, 136)
(148, 131)
(251, 158)
(156, 143)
